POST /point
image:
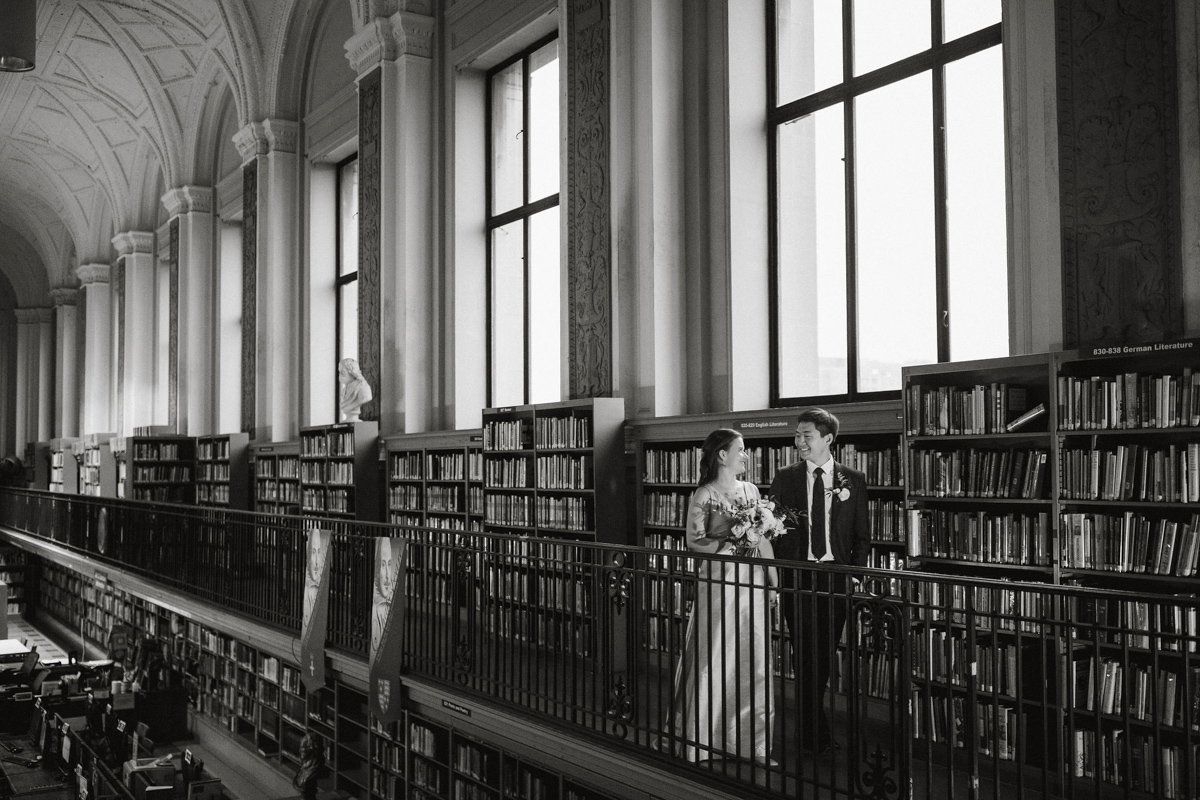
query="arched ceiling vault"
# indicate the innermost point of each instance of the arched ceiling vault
(113, 108)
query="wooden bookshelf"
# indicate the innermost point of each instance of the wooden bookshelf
(339, 470)
(435, 479)
(276, 469)
(37, 465)
(222, 471)
(97, 466)
(64, 472)
(13, 574)
(159, 469)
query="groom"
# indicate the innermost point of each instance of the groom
(833, 529)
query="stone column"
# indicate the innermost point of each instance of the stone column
(28, 324)
(137, 327)
(44, 412)
(271, 289)
(192, 309)
(66, 383)
(396, 278)
(96, 414)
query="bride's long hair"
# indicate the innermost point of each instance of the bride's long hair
(710, 452)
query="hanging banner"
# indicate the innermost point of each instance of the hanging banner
(316, 610)
(388, 609)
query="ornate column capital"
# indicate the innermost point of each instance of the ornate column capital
(251, 141)
(130, 242)
(186, 199)
(64, 295)
(405, 33)
(93, 273)
(281, 135)
(260, 138)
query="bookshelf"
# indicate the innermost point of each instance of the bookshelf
(435, 479)
(13, 574)
(64, 473)
(339, 470)
(97, 467)
(158, 468)
(222, 471)
(556, 470)
(276, 469)
(37, 465)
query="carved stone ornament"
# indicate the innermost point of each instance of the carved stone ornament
(173, 328)
(251, 141)
(1119, 159)
(386, 39)
(133, 242)
(589, 262)
(93, 273)
(281, 135)
(188, 199)
(249, 292)
(64, 296)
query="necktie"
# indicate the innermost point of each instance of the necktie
(816, 516)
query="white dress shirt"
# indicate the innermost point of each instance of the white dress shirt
(827, 481)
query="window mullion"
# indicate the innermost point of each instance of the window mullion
(940, 211)
(525, 225)
(851, 217)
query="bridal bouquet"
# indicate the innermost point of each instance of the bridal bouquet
(753, 522)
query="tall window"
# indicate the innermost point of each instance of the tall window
(524, 267)
(347, 259)
(887, 190)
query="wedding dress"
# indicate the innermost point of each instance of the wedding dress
(723, 704)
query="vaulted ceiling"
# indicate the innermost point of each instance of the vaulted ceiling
(116, 112)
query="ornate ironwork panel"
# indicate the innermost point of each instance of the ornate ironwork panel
(370, 132)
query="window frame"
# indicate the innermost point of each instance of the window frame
(339, 280)
(523, 213)
(934, 60)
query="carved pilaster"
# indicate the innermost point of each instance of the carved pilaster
(249, 292)
(93, 273)
(118, 311)
(188, 199)
(589, 262)
(1119, 162)
(173, 329)
(281, 135)
(405, 33)
(130, 242)
(370, 330)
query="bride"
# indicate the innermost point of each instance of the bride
(723, 704)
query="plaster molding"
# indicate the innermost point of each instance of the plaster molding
(281, 135)
(251, 141)
(32, 316)
(93, 273)
(188, 199)
(132, 242)
(64, 296)
(405, 33)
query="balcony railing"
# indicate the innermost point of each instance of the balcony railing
(939, 686)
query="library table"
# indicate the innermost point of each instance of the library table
(37, 782)
(12, 651)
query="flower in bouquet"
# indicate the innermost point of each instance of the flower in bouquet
(753, 522)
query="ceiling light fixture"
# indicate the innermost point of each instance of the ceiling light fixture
(18, 36)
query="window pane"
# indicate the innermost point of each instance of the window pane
(977, 236)
(896, 268)
(508, 315)
(543, 122)
(960, 17)
(809, 49)
(348, 306)
(886, 31)
(348, 218)
(545, 313)
(812, 255)
(507, 125)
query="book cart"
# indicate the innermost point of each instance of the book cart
(276, 469)
(1080, 467)
(158, 468)
(667, 453)
(64, 472)
(97, 467)
(339, 467)
(222, 476)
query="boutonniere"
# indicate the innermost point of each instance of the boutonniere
(841, 487)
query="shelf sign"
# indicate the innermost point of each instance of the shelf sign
(455, 707)
(766, 424)
(1186, 346)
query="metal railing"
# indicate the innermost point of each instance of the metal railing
(837, 683)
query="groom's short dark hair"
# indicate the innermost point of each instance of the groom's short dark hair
(822, 420)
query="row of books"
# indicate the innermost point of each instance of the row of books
(286, 468)
(1131, 542)
(334, 472)
(1011, 474)
(1129, 400)
(989, 607)
(1169, 474)
(1156, 769)
(1161, 696)
(562, 432)
(327, 444)
(973, 410)
(980, 536)
(564, 513)
(1167, 624)
(564, 472)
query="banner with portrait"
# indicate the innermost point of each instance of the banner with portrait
(316, 609)
(388, 608)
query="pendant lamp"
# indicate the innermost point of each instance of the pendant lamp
(18, 35)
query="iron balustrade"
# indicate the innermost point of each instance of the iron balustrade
(940, 685)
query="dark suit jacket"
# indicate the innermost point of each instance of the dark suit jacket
(850, 531)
